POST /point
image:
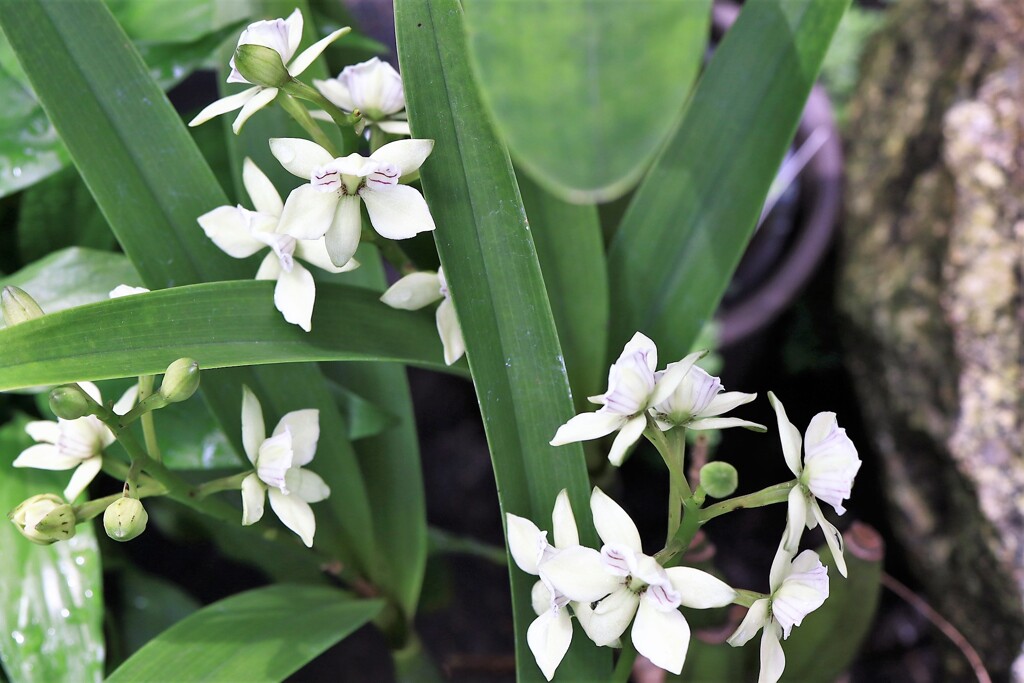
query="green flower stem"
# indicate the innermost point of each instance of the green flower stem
(378, 138)
(297, 88)
(683, 537)
(768, 496)
(673, 453)
(413, 663)
(747, 598)
(302, 117)
(148, 426)
(391, 251)
(229, 483)
(624, 667)
(94, 508)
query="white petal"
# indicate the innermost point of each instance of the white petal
(253, 431)
(698, 589)
(642, 344)
(224, 105)
(830, 461)
(627, 436)
(304, 426)
(753, 622)
(540, 598)
(673, 375)
(294, 296)
(549, 637)
(526, 542)
(264, 196)
(407, 155)
(662, 637)
(613, 525)
(270, 267)
(91, 390)
(606, 620)
(342, 237)
(299, 157)
(414, 291)
(261, 99)
(126, 290)
(295, 514)
(397, 212)
(127, 400)
(82, 477)
(773, 659)
(314, 252)
(253, 495)
(46, 431)
(308, 213)
(586, 426)
(336, 92)
(307, 485)
(725, 423)
(723, 403)
(274, 460)
(450, 331)
(309, 55)
(833, 538)
(231, 228)
(804, 590)
(579, 574)
(789, 435)
(294, 24)
(564, 522)
(394, 127)
(45, 456)
(796, 518)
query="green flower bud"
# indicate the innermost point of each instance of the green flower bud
(719, 479)
(18, 306)
(125, 519)
(180, 380)
(44, 519)
(69, 402)
(261, 66)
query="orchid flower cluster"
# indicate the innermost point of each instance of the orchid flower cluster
(609, 588)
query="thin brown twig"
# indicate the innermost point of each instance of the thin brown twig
(941, 623)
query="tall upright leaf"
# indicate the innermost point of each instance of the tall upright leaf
(690, 220)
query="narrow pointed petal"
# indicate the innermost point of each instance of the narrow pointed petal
(342, 237)
(307, 485)
(723, 403)
(586, 426)
(309, 55)
(253, 495)
(414, 291)
(261, 99)
(46, 431)
(796, 518)
(395, 127)
(407, 155)
(45, 456)
(450, 331)
(725, 423)
(605, 621)
(751, 624)
(833, 538)
(295, 514)
(673, 375)
(314, 252)
(224, 105)
(82, 477)
(253, 430)
(612, 523)
(304, 426)
(294, 296)
(294, 24)
(308, 213)
(773, 659)
(662, 637)
(549, 637)
(398, 212)
(231, 227)
(264, 196)
(564, 522)
(627, 436)
(270, 267)
(579, 574)
(789, 435)
(299, 157)
(698, 589)
(127, 400)
(526, 542)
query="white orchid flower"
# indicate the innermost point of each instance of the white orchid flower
(416, 290)
(241, 233)
(78, 444)
(278, 460)
(698, 401)
(610, 587)
(550, 634)
(329, 205)
(798, 587)
(375, 89)
(826, 473)
(282, 36)
(633, 387)
(126, 290)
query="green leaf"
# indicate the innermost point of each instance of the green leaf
(260, 635)
(496, 285)
(223, 324)
(59, 212)
(175, 21)
(149, 606)
(691, 218)
(51, 597)
(585, 91)
(190, 438)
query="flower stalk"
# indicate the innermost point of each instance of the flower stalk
(766, 496)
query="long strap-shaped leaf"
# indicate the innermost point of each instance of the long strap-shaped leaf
(496, 284)
(221, 324)
(690, 220)
(151, 183)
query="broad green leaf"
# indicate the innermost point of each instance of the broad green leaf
(175, 21)
(364, 418)
(495, 280)
(222, 324)
(190, 438)
(260, 635)
(149, 606)
(59, 212)
(585, 91)
(690, 220)
(51, 597)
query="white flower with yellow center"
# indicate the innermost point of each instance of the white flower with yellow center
(373, 88)
(416, 290)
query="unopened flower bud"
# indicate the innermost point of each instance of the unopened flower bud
(125, 519)
(261, 65)
(718, 479)
(70, 402)
(44, 519)
(181, 380)
(18, 306)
